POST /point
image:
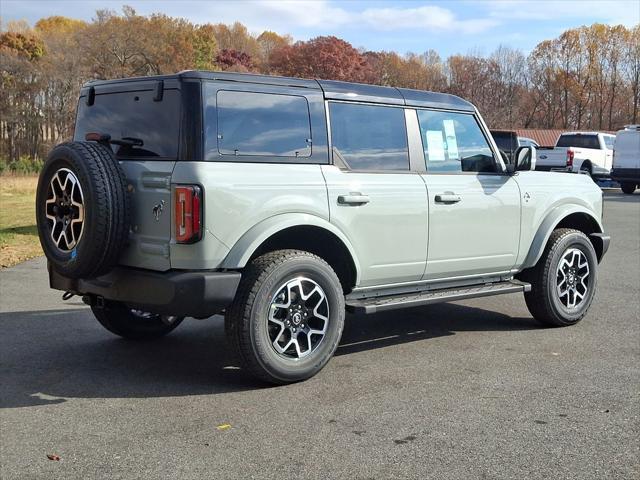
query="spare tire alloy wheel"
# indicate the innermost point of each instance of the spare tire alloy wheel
(65, 210)
(298, 318)
(82, 209)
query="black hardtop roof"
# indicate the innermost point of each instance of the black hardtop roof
(332, 89)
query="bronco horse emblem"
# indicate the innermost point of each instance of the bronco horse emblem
(157, 210)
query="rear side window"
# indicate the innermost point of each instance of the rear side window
(153, 126)
(262, 124)
(609, 141)
(369, 137)
(579, 141)
(454, 143)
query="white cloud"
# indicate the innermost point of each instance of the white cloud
(273, 14)
(316, 16)
(425, 17)
(625, 12)
(399, 18)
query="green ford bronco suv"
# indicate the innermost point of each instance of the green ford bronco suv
(283, 203)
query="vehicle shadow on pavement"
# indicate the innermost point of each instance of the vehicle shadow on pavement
(366, 332)
(47, 357)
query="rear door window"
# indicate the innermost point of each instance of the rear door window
(369, 137)
(262, 124)
(609, 141)
(153, 126)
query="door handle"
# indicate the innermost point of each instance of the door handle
(448, 198)
(353, 199)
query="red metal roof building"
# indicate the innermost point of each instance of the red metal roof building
(544, 138)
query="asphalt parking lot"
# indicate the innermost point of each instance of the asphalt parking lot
(473, 389)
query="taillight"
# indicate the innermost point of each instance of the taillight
(188, 213)
(569, 158)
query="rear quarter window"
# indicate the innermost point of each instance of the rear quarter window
(134, 115)
(258, 125)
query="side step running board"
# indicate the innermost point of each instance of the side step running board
(391, 302)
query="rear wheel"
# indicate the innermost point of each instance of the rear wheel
(628, 187)
(563, 282)
(585, 169)
(288, 316)
(134, 324)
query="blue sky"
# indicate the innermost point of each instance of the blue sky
(456, 26)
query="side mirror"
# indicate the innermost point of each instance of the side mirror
(525, 158)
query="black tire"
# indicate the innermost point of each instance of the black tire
(105, 229)
(131, 324)
(543, 300)
(585, 169)
(246, 321)
(628, 187)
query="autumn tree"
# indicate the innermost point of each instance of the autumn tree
(269, 42)
(233, 60)
(321, 57)
(236, 37)
(63, 73)
(132, 45)
(20, 82)
(631, 70)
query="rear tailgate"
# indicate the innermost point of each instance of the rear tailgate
(551, 158)
(150, 113)
(150, 190)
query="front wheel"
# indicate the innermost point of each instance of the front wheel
(628, 187)
(134, 324)
(563, 282)
(287, 318)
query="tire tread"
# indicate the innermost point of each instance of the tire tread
(238, 316)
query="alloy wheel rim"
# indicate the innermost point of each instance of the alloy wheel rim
(64, 210)
(298, 318)
(572, 278)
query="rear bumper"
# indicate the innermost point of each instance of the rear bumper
(626, 175)
(183, 293)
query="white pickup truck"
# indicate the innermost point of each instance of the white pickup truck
(579, 152)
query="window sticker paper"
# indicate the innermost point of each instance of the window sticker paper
(435, 146)
(452, 143)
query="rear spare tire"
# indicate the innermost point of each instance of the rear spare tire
(82, 209)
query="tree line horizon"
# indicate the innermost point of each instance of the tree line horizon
(588, 78)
